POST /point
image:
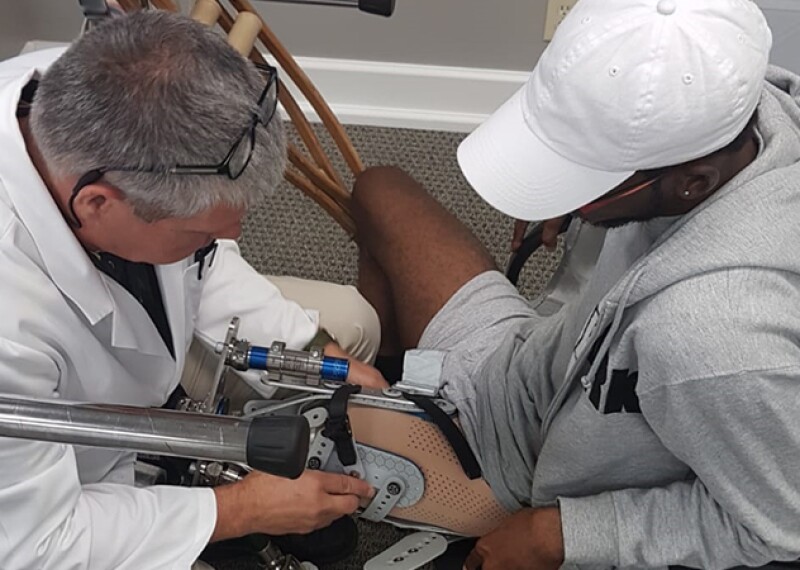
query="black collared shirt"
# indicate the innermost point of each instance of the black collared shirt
(141, 281)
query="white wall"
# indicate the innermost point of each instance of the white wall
(23, 20)
(496, 34)
(784, 19)
(440, 64)
(459, 59)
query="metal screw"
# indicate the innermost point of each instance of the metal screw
(393, 489)
(214, 469)
(314, 463)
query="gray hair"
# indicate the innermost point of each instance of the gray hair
(154, 90)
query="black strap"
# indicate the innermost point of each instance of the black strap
(469, 463)
(529, 244)
(337, 426)
(200, 257)
(26, 98)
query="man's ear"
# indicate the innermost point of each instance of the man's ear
(697, 182)
(95, 202)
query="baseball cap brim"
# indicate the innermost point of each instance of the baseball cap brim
(518, 174)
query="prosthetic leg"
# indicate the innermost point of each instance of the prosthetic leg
(404, 440)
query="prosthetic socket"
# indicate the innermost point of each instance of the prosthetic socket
(322, 397)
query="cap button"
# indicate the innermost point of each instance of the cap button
(666, 7)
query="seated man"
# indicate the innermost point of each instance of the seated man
(653, 421)
(109, 270)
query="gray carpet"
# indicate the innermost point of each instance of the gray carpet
(291, 235)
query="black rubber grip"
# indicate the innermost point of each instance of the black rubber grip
(94, 7)
(379, 7)
(279, 445)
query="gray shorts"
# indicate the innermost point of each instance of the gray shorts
(469, 328)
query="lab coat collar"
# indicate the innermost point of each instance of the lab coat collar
(65, 259)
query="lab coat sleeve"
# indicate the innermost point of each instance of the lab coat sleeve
(49, 520)
(234, 288)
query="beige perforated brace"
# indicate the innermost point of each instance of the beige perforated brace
(450, 500)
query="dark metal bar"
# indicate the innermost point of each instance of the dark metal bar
(345, 3)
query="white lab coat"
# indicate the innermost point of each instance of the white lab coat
(68, 331)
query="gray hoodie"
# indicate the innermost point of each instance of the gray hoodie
(662, 410)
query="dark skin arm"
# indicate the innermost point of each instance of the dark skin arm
(529, 539)
(549, 233)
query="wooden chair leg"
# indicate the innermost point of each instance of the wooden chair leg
(243, 33)
(301, 123)
(312, 177)
(167, 5)
(318, 177)
(130, 5)
(319, 181)
(342, 217)
(306, 133)
(287, 62)
(206, 12)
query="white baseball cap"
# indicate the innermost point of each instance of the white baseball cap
(625, 85)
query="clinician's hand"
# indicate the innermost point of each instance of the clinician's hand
(360, 373)
(273, 505)
(529, 539)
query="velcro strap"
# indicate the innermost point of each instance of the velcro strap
(469, 463)
(337, 426)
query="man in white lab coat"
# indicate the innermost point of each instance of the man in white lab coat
(121, 165)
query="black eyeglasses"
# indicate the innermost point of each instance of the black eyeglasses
(232, 165)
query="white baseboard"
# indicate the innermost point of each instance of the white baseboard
(409, 96)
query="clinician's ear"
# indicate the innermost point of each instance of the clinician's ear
(96, 202)
(697, 182)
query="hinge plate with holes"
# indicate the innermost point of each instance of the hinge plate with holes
(410, 553)
(385, 499)
(378, 466)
